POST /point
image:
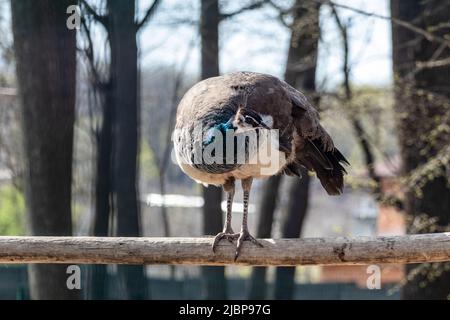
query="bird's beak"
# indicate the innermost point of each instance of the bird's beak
(242, 130)
(264, 126)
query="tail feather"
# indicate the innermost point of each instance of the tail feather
(319, 156)
(326, 164)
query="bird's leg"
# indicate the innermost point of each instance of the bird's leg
(227, 232)
(230, 195)
(245, 235)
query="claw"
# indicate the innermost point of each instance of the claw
(245, 236)
(230, 236)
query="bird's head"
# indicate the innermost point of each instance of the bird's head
(247, 119)
(244, 121)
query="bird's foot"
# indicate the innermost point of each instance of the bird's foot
(225, 234)
(244, 235)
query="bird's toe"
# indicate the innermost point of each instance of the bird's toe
(245, 236)
(254, 241)
(230, 236)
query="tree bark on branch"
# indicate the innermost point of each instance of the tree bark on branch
(197, 251)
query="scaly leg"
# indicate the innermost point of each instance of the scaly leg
(245, 235)
(227, 232)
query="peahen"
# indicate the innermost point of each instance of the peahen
(228, 127)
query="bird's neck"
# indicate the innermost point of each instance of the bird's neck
(222, 127)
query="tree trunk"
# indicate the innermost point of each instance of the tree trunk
(103, 186)
(269, 199)
(46, 69)
(214, 282)
(124, 76)
(164, 215)
(301, 74)
(422, 97)
(292, 225)
(103, 190)
(209, 32)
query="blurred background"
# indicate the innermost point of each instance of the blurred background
(88, 97)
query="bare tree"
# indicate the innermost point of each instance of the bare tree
(422, 107)
(124, 81)
(122, 28)
(358, 128)
(99, 101)
(45, 52)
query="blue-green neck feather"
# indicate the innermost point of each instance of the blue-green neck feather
(222, 127)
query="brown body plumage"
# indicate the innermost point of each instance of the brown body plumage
(302, 138)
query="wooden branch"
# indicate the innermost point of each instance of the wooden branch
(433, 64)
(426, 34)
(150, 11)
(255, 5)
(197, 251)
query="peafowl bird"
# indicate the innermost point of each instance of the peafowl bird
(228, 127)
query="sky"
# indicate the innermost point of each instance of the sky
(256, 41)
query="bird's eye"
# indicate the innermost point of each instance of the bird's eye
(251, 120)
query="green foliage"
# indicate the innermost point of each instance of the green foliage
(148, 166)
(12, 211)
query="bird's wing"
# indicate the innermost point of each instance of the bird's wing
(314, 147)
(306, 118)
